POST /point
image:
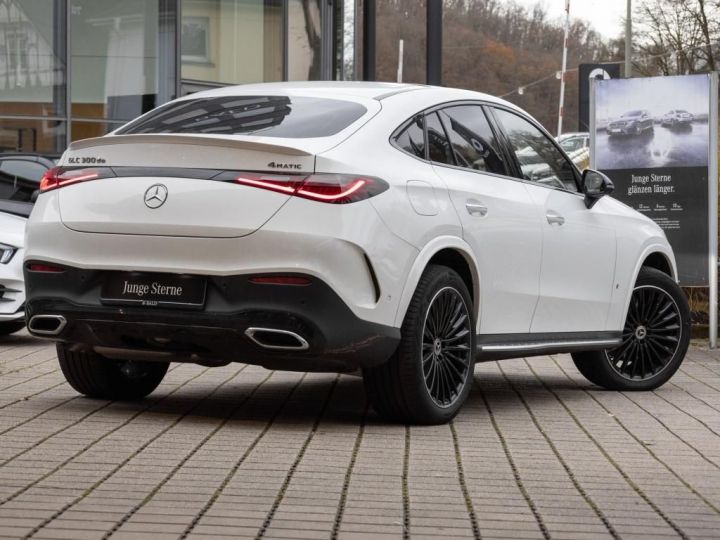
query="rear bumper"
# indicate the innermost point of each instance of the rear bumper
(337, 340)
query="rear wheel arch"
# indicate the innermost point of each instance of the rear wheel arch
(452, 258)
(449, 251)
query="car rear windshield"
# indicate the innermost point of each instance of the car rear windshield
(266, 116)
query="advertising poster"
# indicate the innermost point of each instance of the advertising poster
(652, 136)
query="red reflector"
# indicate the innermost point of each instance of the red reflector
(45, 268)
(280, 280)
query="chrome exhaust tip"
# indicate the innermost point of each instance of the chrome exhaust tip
(47, 325)
(272, 338)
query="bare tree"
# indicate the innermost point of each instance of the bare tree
(677, 36)
(492, 46)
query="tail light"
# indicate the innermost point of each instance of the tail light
(274, 182)
(58, 177)
(322, 187)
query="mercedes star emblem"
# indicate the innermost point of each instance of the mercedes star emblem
(155, 196)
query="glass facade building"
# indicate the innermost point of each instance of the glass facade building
(72, 69)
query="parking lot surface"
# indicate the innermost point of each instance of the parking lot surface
(240, 451)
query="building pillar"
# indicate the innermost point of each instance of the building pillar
(369, 40)
(434, 42)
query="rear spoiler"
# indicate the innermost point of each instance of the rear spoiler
(16, 208)
(194, 140)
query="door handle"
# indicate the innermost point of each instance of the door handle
(476, 208)
(554, 218)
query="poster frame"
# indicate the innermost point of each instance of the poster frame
(712, 196)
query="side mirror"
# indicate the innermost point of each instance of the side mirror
(595, 185)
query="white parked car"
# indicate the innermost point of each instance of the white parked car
(342, 226)
(676, 117)
(12, 289)
(19, 179)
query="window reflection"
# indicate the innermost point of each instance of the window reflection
(438, 146)
(114, 57)
(32, 75)
(472, 139)
(304, 40)
(33, 136)
(232, 41)
(540, 160)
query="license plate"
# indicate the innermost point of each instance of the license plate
(154, 290)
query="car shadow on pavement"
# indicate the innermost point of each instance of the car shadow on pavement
(19, 339)
(282, 403)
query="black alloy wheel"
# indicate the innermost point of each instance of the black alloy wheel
(447, 346)
(651, 335)
(429, 377)
(653, 342)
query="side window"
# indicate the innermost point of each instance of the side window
(539, 158)
(472, 139)
(438, 145)
(28, 170)
(19, 178)
(412, 138)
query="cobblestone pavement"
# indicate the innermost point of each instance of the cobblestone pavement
(239, 451)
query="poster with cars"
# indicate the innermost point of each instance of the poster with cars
(653, 138)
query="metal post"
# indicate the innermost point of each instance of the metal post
(369, 32)
(628, 40)
(61, 75)
(564, 68)
(434, 42)
(68, 72)
(713, 212)
(401, 50)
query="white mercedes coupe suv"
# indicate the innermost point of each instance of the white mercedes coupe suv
(405, 231)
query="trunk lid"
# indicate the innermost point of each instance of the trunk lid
(163, 185)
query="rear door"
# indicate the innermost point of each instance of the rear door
(579, 246)
(500, 221)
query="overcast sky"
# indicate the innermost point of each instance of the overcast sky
(606, 16)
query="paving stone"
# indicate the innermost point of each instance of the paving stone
(243, 452)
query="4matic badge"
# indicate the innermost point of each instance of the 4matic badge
(276, 165)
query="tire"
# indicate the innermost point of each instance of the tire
(654, 342)
(98, 377)
(409, 387)
(7, 328)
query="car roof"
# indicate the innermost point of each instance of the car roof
(35, 158)
(360, 90)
